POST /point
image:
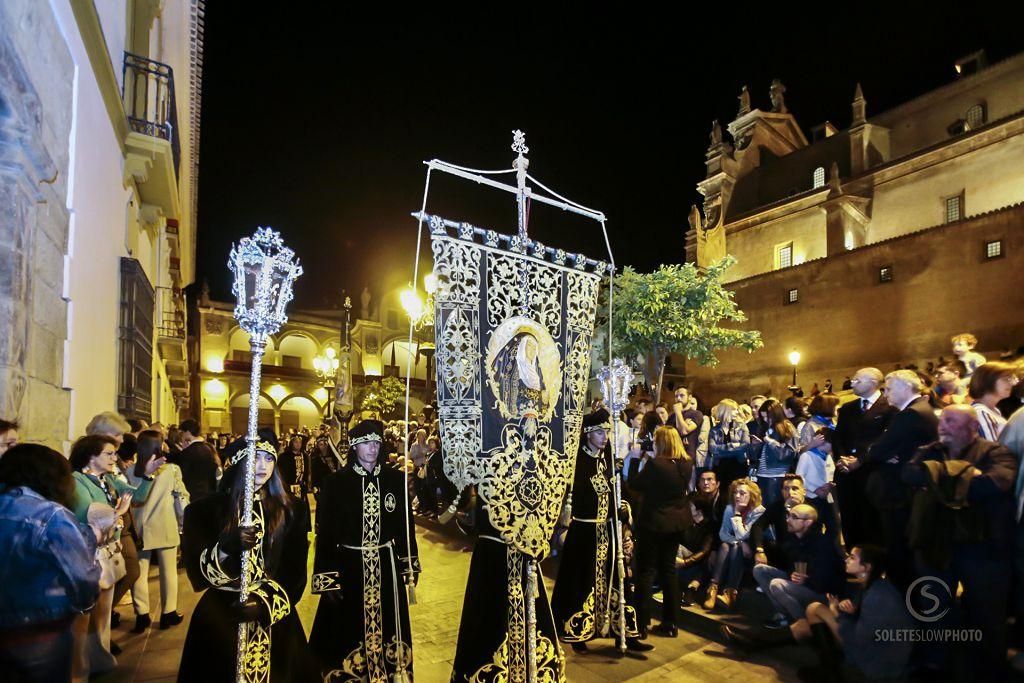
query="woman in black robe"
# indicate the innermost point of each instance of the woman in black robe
(585, 601)
(212, 544)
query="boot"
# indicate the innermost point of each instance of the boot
(829, 654)
(690, 595)
(712, 596)
(170, 619)
(757, 639)
(636, 645)
(728, 599)
(142, 622)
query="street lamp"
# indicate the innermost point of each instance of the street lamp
(794, 359)
(326, 367)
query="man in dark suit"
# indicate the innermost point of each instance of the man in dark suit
(198, 462)
(912, 427)
(861, 423)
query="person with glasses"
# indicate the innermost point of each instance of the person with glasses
(808, 568)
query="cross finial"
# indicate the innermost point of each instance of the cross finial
(519, 142)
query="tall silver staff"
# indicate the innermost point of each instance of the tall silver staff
(616, 380)
(264, 271)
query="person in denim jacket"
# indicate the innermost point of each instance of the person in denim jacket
(778, 454)
(735, 552)
(729, 442)
(48, 564)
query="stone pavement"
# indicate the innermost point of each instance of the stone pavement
(693, 656)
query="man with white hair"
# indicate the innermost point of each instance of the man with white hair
(963, 534)
(912, 427)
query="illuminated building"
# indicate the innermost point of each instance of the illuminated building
(871, 244)
(98, 175)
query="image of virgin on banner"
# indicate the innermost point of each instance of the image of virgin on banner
(513, 326)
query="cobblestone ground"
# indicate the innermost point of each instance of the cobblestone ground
(154, 656)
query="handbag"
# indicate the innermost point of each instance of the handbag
(111, 561)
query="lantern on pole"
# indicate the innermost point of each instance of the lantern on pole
(264, 272)
(616, 381)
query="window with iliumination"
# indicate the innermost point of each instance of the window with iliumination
(954, 208)
(994, 249)
(784, 255)
(885, 274)
(819, 177)
(975, 116)
(792, 296)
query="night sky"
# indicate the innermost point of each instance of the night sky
(318, 126)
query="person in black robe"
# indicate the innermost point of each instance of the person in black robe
(212, 545)
(585, 601)
(495, 596)
(366, 555)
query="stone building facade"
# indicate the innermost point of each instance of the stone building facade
(98, 165)
(293, 395)
(872, 244)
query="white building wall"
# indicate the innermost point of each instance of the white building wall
(100, 203)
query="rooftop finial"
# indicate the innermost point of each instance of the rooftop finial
(859, 105)
(519, 142)
(777, 92)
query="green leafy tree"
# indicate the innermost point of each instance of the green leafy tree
(381, 397)
(676, 309)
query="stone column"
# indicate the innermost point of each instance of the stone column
(34, 134)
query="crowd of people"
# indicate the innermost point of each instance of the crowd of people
(892, 507)
(888, 509)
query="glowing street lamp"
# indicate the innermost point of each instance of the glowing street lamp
(794, 359)
(412, 303)
(326, 367)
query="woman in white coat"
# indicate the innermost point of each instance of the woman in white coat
(157, 523)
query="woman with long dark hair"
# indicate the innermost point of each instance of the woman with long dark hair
(778, 454)
(48, 564)
(212, 546)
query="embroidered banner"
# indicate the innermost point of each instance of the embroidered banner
(513, 325)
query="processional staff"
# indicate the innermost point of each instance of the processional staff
(264, 271)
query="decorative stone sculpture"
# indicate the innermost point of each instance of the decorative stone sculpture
(716, 133)
(744, 102)
(777, 93)
(364, 300)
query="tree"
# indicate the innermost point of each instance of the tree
(381, 397)
(676, 309)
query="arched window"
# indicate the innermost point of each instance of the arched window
(819, 177)
(975, 116)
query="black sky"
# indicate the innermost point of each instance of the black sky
(317, 126)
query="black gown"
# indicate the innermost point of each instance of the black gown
(485, 652)
(211, 644)
(586, 596)
(361, 631)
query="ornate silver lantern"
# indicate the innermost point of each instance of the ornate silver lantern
(616, 381)
(264, 271)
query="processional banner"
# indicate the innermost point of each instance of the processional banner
(513, 324)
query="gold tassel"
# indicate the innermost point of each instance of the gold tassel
(565, 519)
(411, 587)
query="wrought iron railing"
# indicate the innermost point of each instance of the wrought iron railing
(172, 313)
(148, 95)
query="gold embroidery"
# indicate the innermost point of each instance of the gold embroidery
(326, 581)
(256, 659)
(372, 623)
(579, 628)
(550, 665)
(354, 667)
(600, 483)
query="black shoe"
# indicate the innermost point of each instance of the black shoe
(170, 619)
(580, 648)
(665, 630)
(691, 596)
(776, 621)
(115, 619)
(142, 622)
(635, 645)
(115, 649)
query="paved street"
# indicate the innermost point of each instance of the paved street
(154, 656)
